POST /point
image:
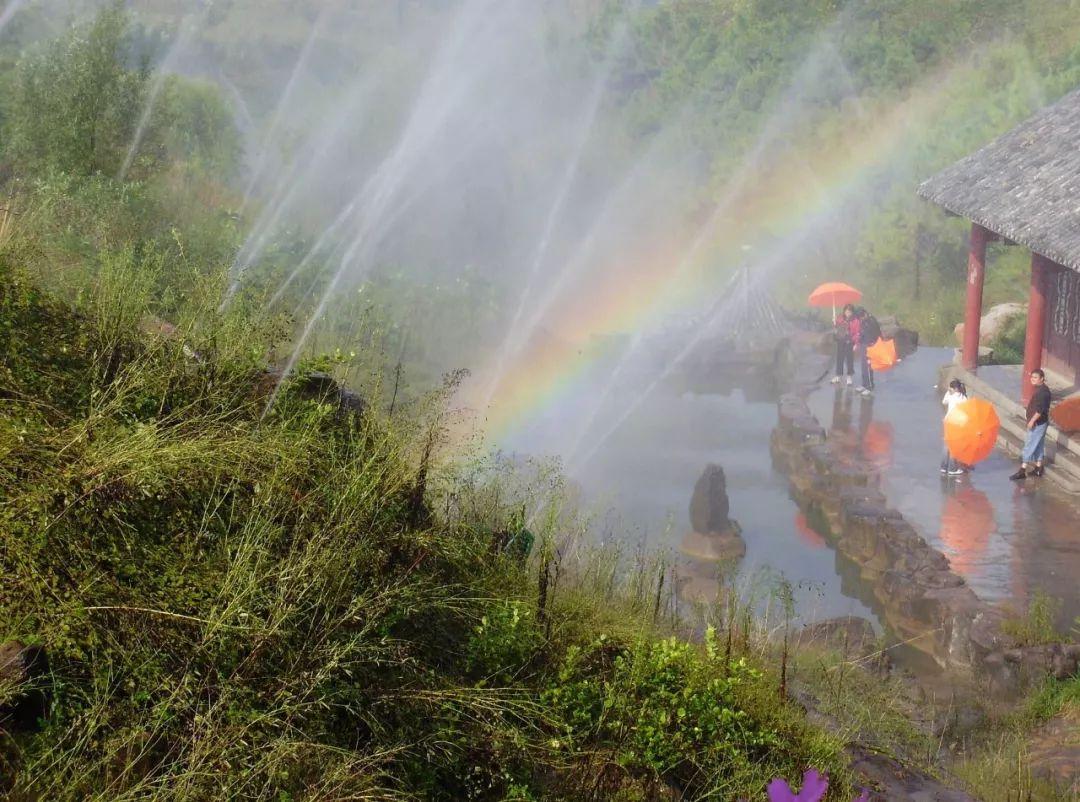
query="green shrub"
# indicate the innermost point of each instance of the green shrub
(673, 710)
(1037, 625)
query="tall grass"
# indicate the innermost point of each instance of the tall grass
(310, 604)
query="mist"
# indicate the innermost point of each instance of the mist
(477, 181)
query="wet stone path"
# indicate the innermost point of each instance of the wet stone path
(1008, 540)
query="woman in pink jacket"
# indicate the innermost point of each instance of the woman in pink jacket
(847, 337)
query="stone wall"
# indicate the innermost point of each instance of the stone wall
(923, 602)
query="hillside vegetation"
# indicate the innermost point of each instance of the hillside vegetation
(244, 595)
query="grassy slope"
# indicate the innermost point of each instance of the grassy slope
(255, 608)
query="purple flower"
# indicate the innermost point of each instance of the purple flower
(814, 786)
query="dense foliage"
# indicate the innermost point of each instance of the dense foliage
(776, 84)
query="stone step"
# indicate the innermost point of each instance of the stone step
(1064, 468)
(1010, 409)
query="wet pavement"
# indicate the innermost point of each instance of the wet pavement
(1007, 539)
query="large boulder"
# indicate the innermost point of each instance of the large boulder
(23, 692)
(993, 323)
(907, 341)
(714, 537)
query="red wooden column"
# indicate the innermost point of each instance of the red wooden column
(1036, 323)
(973, 308)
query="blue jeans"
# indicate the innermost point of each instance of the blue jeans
(1033, 445)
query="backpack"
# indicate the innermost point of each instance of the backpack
(871, 329)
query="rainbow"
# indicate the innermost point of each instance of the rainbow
(782, 199)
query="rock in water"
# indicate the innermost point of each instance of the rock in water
(23, 670)
(709, 503)
(714, 537)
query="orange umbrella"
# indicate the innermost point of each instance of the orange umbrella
(971, 430)
(882, 354)
(832, 293)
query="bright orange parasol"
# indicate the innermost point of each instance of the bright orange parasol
(834, 293)
(882, 354)
(971, 429)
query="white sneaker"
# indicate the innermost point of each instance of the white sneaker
(865, 391)
(835, 379)
(956, 472)
(850, 381)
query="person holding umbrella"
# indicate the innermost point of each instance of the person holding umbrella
(1038, 419)
(831, 294)
(954, 396)
(869, 333)
(847, 338)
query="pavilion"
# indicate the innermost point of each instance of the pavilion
(1024, 189)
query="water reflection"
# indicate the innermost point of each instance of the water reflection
(967, 521)
(808, 534)
(1008, 541)
(855, 431)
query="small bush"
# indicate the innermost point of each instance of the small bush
(1037, 625)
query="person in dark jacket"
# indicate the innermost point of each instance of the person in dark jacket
(847, 337)
(1038, 419)
(869, 333)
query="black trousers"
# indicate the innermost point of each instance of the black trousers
(845, 358)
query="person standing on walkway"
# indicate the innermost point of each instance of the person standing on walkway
(869, 333)
(955, 395)
(1038, 419)
(847, 336)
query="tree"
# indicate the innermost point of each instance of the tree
(76, 104)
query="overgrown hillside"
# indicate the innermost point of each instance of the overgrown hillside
(238, 606)
(223, 591)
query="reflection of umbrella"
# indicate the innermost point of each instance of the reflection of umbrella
(882, 354)
(967, 519)
(807, 534)
(833, 293)
(971, 429)
(877, 442)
